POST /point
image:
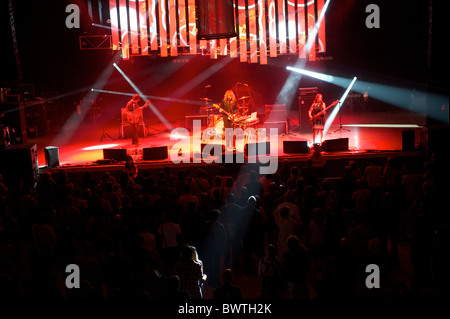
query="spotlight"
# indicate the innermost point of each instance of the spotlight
(335, 111)
(319, 76)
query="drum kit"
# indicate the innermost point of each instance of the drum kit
(241, 118)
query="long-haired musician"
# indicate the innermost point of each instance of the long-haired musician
(317, 121)
(228, 105)
(133, 108)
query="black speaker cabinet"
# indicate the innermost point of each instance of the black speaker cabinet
(51, 156)
(35, 118)
(276, 113)
(282, 127)
(191, 118)
(306, 98)
(292, 147)
(408, 140)
(155, 153)
(127, 131)
(20, 162)
(340, 144)
(117, 154)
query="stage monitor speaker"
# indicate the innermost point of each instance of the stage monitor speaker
(408, 140)
(215, 19)
(292, 147)
(340, 144)
(51, 156)
(253, 149)
(20, 162)
(117, 154)
(155, 153)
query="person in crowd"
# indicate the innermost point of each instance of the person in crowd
(190, 271)
(270, 272)
(231, 218)
(227, 291)
(170, 233)
(374, 176)
(295, 269)
(253, 233)
(130, 168)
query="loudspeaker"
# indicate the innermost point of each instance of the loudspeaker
(306, 98)
(253, 149)
(127, 131)
(35, 118)
(155, 153)
(340, 144)
(51, 156)
(408, 140)
(20, 162)
(191, 118)
(117, 154)
(290, 147)
(276, 113)
(215, 19)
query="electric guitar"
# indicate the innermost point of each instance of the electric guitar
(316, 116)
(231, 117)
(135, 116)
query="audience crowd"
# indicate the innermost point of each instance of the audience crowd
(171, 234)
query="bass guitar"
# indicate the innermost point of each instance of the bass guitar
(136, 116)
(316, 116)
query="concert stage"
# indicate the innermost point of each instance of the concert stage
(378, 134)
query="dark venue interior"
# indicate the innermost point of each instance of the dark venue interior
(117, 155)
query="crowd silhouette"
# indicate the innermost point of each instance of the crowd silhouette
(170, 234)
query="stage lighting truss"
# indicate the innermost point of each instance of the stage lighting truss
(95, 42)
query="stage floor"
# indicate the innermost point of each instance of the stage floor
(367, 133)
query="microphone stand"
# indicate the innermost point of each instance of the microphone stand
(340, 129)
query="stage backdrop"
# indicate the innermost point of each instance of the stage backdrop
(264, 28)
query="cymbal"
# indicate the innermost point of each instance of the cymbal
(205, 99)
(244, 97)
(209, 107)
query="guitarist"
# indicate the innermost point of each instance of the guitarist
(317, 116)
(228, 105)
(133, 109)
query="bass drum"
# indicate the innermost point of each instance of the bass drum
(215, 131)
(219, 127)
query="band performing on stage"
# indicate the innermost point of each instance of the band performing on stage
(230, 113)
